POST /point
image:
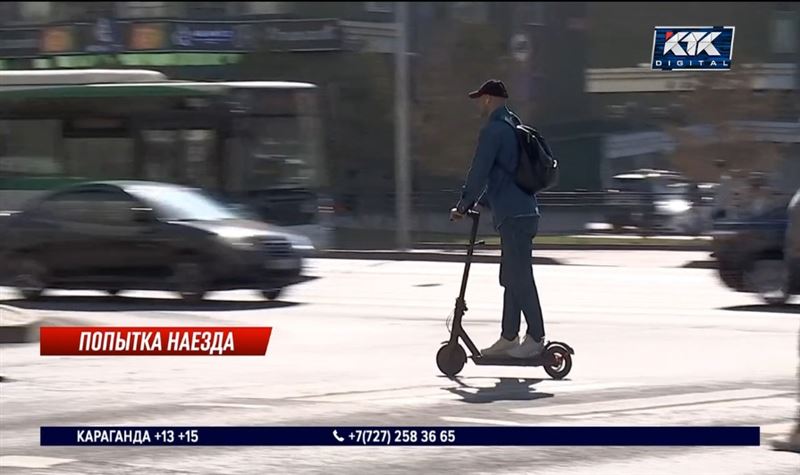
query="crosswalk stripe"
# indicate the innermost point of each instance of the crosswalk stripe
(25, 461)
(475, 420)
(225, 404)
(650, 402)
(782, 428)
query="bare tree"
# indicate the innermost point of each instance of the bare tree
(714, 127)
(446, 122)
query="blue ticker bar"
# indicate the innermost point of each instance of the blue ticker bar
(402, 436)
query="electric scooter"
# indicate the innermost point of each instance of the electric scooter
(451, 358)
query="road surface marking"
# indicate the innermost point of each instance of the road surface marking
(699, 413)
(713, 461)
(24, 461)
(644, 402)
(783, 429)
(474, 420)
(226, 404)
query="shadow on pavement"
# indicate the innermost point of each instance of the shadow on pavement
(112, 304)
(504, 389)
(786, 308)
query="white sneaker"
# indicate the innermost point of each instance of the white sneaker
(501, 347)
(529, 348)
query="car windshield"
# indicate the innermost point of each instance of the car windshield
(174, 203)
(631, 185)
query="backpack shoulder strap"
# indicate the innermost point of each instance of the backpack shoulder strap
(513, 121)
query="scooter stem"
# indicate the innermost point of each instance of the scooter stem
(476, 217)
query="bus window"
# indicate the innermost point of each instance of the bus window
(30, 147)
(92, 157)
(279, 154)
(30, 160)
(160, 151)
(198, 148)
(180, 156)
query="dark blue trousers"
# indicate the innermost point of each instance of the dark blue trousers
(516, 275)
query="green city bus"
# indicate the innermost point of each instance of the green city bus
(256, 144)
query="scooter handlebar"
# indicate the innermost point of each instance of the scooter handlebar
(472, 213)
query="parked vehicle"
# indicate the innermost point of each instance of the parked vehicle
(119, 235)
(761, 254)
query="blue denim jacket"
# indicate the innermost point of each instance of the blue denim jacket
(492, 171)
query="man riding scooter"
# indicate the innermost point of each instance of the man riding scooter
(516, 217)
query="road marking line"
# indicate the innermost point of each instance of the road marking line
(475, 420)
(644, 402)
(225, 404)
(776, 406)
(783, 428)
(24, 461)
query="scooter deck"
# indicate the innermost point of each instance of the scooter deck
(509, 361)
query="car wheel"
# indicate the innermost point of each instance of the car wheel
(271, 294)
(30, 278)
(190, 281)
(770, 279)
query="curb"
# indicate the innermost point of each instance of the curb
(581, 247)
(389, 255)
(17, 327)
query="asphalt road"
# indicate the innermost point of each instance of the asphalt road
(656, 344)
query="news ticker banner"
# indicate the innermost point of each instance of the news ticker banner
(154, 341)
(403, 436)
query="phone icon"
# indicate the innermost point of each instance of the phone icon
(336, 436)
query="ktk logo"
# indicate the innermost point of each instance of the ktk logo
(696, 43)
(704, 48)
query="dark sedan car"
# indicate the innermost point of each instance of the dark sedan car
(657, 200)
(761, 254)
(143, 235)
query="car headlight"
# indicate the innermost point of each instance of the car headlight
(244, 243)
(301, 243)
(674, 206)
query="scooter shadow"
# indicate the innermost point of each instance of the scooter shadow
(504, 389)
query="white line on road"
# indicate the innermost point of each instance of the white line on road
(225, 404)
(782, 428)
(24, 461)
(475, 420)
(650, 402)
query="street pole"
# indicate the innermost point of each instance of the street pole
(402, 165)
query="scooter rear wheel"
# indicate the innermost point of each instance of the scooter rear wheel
(451, 359)
(558, 362)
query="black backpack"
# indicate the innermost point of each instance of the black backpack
(537, 170)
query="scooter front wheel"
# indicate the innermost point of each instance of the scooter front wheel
(558, 361)
(451, 359)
